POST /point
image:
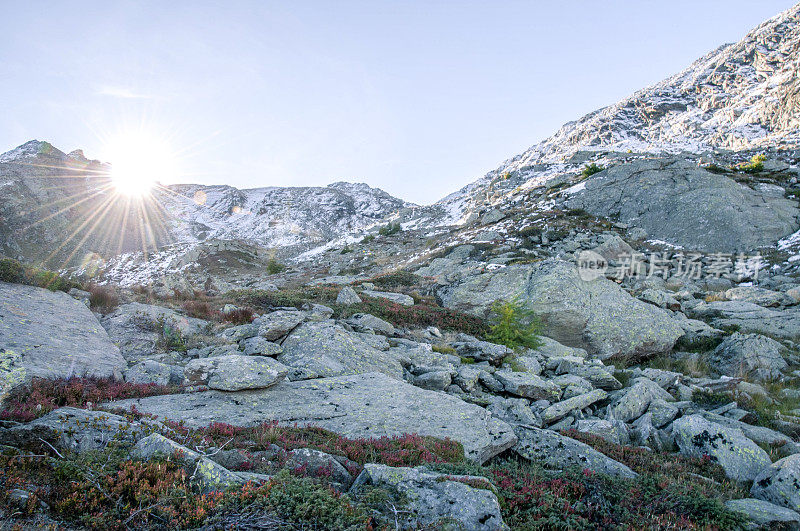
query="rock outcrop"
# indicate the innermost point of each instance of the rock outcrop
(49, 334)
(595, 315)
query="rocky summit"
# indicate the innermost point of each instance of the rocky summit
(602, 333)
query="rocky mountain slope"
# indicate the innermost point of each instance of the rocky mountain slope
(602, 333)
(740, 97)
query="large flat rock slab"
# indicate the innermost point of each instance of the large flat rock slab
(362, 405)
(50, 335)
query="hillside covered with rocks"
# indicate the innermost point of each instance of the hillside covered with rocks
(603, 333)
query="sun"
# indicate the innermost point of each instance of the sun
(140, 162)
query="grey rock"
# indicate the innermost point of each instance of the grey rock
(514, 411)
(399, 298)
(572, 385)
(348, 296)
(324, 349)
(741, 458)
(437, 499)
(234, 373)
(596, 315)
(275, 325)
(363, 322)
(675, 201)
(467, 378)
(76, 430)
(528, 385)
(558, 452)
(319, 464)
(614, 431)
(748, 355)
(136, 328)
(550, 348)
(765, 514)
(151, 371)
(259, 346)
(492, 216)
(213, 351)
(81, 295)
(636, 399)
(613, 248)
(490, 382)
(320, 312)
(597, 375)
(561, 409)
(470, 347)
(435, 380)
(205, 472)
(526, 364)
(779, 483)
(48, 334)
(752, 318)
(363, 405)
(240, 332)
(662, 412)
(762, 297)
(661, 299)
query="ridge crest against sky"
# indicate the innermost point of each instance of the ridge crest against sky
(416, 98)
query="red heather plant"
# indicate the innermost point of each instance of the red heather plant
(420, 315)
(646, 462)
(42, 395)
(239, 316)
(405, 450)
(103, 493)
(201, 310)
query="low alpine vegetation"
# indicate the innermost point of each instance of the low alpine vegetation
(17, 273)
(43, 395)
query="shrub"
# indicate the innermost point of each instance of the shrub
(239, 316)
(577, 212)
(755, 165)
(530, 230)
(591, 169)
(397, 279)
(444, 349)
(102, 491)
(201, 310)
(42, 396)
(169, 337)
(265, 300)
(368, 238)
(533, 498)
(274, 267)
(420, 315)
(391, 228)
(405, 450)
(11, 271)
(103, 298)
(513, 325)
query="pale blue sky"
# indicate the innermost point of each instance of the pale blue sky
(417, 98)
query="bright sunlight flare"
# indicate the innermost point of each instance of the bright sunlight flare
(139, 162)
